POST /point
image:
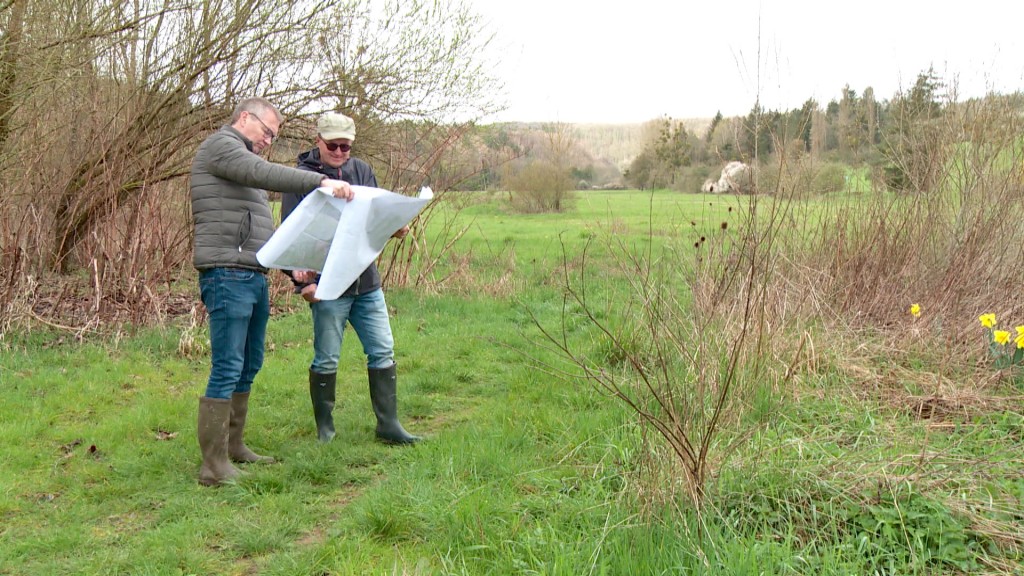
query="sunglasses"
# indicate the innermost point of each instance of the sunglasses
(334, 146)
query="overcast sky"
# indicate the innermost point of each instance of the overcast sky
(635, 60)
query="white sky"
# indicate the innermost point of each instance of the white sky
(635, 60)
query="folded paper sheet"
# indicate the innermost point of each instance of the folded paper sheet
(339, 239)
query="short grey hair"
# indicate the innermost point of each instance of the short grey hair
(255, 106)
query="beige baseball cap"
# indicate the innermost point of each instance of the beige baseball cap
(334, 126)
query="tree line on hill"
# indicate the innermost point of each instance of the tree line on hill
(896, 138)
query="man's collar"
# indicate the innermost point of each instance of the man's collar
(236, 132)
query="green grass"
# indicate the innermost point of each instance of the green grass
(521, 472)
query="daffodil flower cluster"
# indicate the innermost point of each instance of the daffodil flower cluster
(1004, 355)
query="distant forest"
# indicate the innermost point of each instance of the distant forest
(853, 130)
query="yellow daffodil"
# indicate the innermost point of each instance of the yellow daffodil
(915, 310)
(1019, 341)
(1000, 336)
(1020, 331)
(987, 320)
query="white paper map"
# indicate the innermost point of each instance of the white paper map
(337, 238)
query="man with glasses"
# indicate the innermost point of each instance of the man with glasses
(362, 305)
(232, 222)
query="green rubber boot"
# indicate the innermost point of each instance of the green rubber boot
(384, 397)
(321, 392)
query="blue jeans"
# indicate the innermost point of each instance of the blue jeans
(238, 303)
(368, 315)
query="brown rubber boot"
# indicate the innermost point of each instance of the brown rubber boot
(237, 449)
(214, 414)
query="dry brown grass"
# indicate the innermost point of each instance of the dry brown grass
(853, 263)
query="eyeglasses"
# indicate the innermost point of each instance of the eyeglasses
(267, 132)
(334, 146)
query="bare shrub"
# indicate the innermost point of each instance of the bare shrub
(801, 177)
(544, 182)
(16, 282)
(540, 187)
(696, 372)
(829, 177)
(692, 177)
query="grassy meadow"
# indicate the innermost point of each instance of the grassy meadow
(836, 453)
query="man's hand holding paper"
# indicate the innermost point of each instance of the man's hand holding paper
(337, 188)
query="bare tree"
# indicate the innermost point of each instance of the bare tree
(819, 132)
(174, 57)
(102, 104)
(11, 38)
(405, 71)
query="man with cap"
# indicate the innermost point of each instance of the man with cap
(362, 304)
(232, 222)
